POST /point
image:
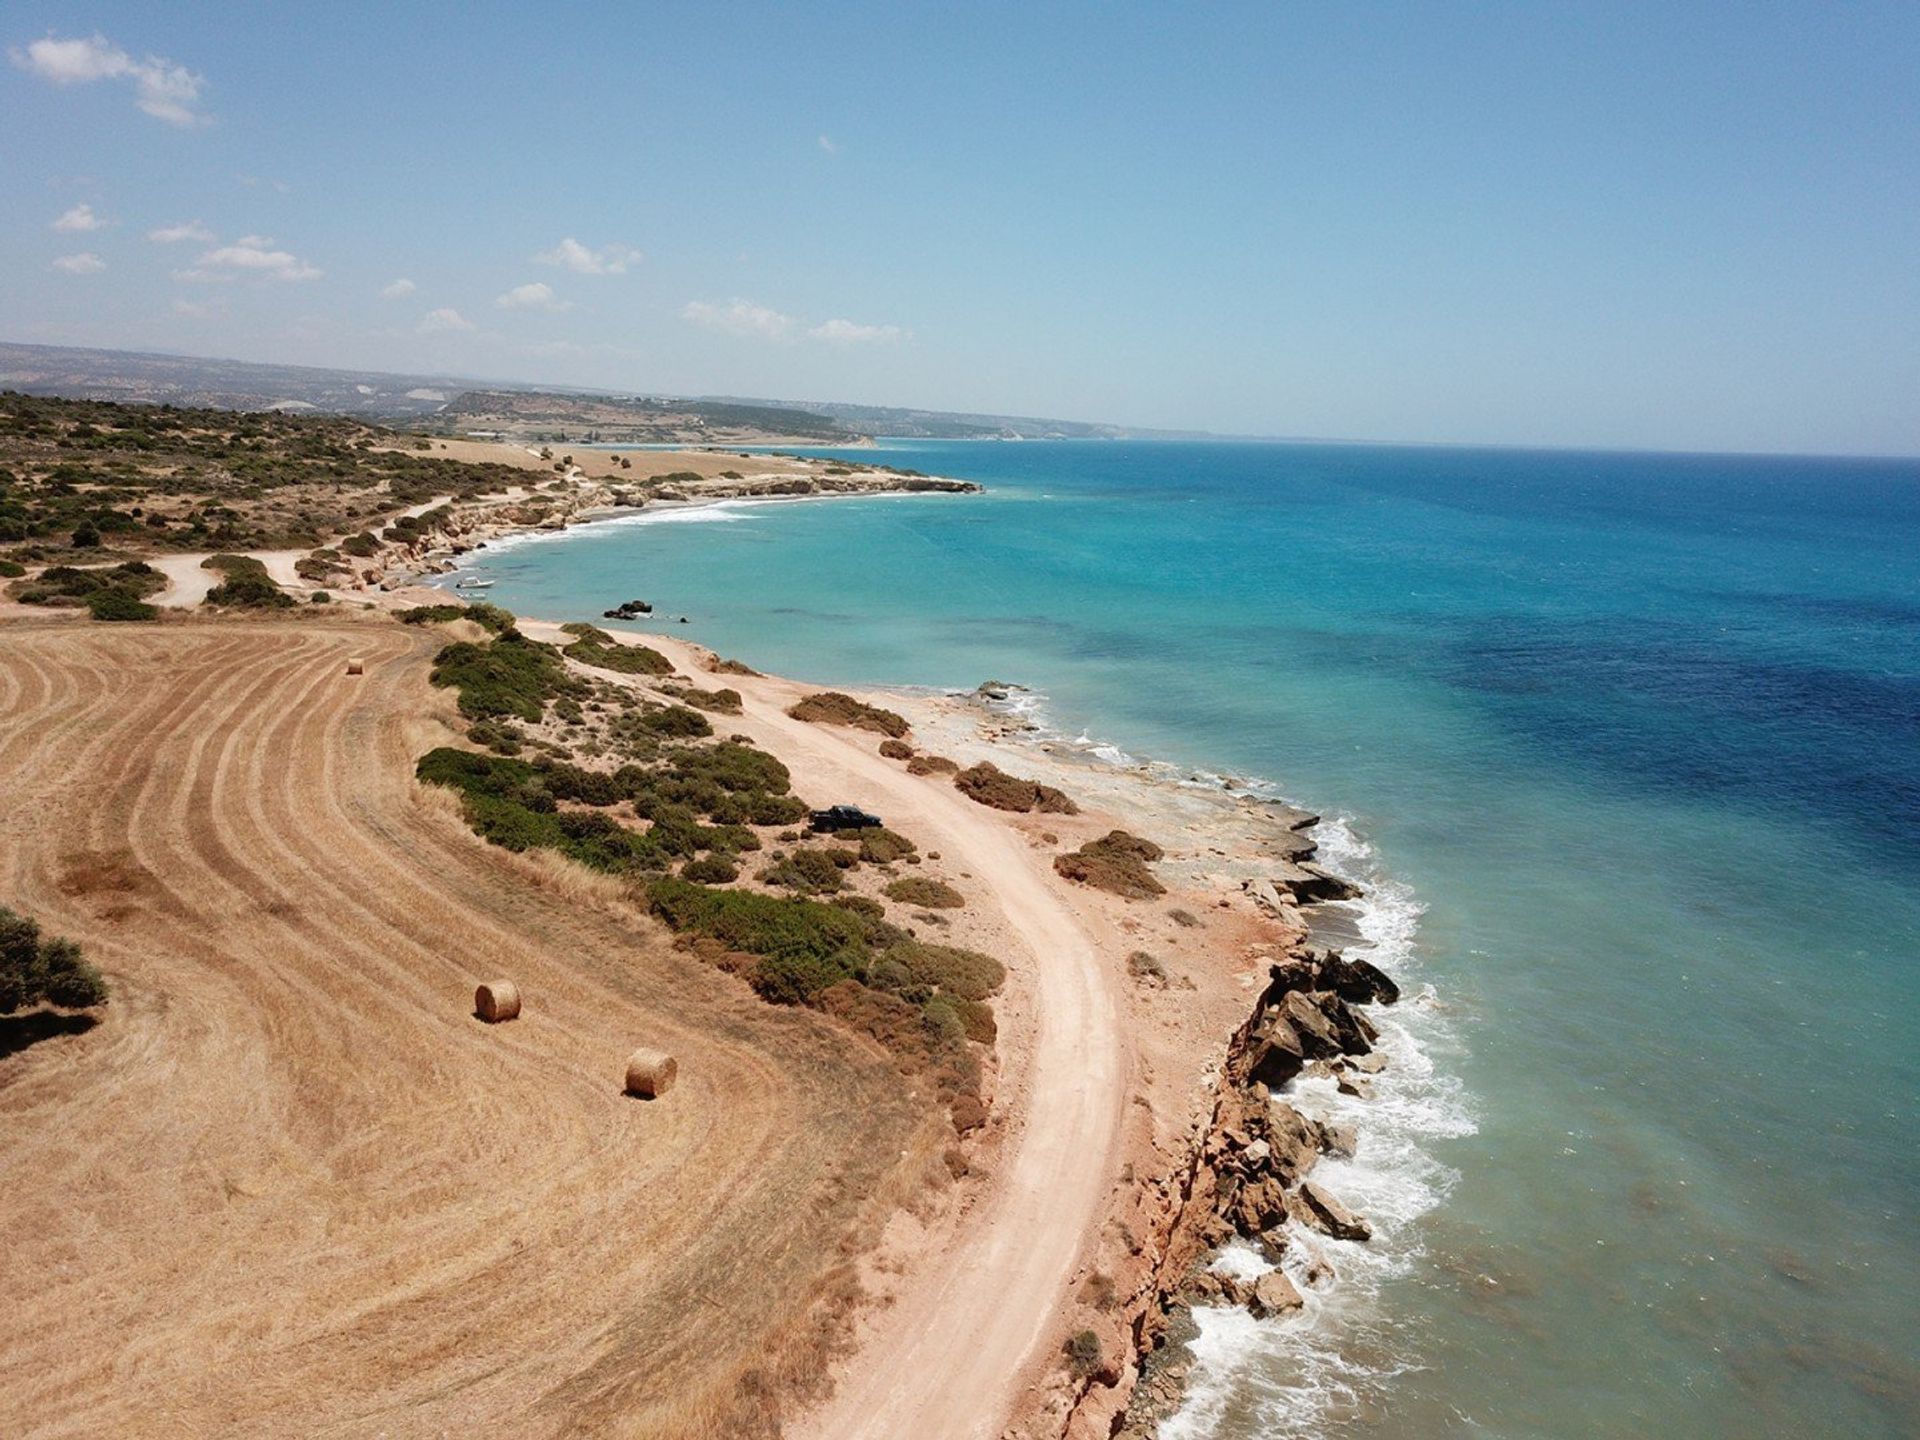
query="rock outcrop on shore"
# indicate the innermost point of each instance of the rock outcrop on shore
(1250, 1171)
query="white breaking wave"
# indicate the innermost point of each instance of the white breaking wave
(1294, 1375)
(719, 512)
(1290, 1377)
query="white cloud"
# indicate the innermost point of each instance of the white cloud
(607, 260)
(189, 307)
(739, 317)
(85, 263)
(251, 256)
(173, 234)
(80, 217)
(849, 332)
(398, 290)
(538, 295)
(436, 322)
(163, 89)
(828, 144)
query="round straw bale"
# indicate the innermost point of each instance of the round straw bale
(356, 666)
(497, 1000)
(650, 1073)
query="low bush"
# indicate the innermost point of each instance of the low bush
(881, 846)
(507, 804)
(987, 784)
(676, 722)
(11, 570)
(248, 586)
(717, 702)
(710, 870)
(117, 604)
(810, 871)
(931, 765)
(896, 750)
(1143, 965)
(924, 891)
(765, 925)
(510, 675)
(38, 971)
(71, 585)
(830, 707)
(1083, 1354)
(600, 650)
(362, 546)
(1117, 863)
(948, 968)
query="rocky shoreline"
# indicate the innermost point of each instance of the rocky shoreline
(1250, 1171)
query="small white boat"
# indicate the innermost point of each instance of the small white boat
(473, 583)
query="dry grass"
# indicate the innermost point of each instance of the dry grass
(289, 1127)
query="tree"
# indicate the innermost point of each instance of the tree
(35, 971)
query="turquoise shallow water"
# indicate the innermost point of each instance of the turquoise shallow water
(1630, 747)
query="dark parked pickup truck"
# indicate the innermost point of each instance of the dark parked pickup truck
(844, 817)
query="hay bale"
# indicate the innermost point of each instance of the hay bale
(650, 1073)
(497, 1000)
(356, 666)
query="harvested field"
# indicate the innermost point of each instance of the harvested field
(290, 1185)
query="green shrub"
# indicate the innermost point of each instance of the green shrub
(363, 545)
(488, 617)
(966, 973)
(247, 586)
(70, 585)
(810, 871)
(11, 570)
(117, 604)
(765, 925)
(926, 892)
(676, 722)
(881, 846)
(320, 597)
(510, 675)
(35, 971)
(710, 870)
(603, 652)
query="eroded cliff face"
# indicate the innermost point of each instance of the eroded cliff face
(1247, 1174)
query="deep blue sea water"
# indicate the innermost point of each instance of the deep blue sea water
(1629, 746)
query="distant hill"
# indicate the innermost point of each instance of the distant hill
(636, 420)
(220, 384)
(951, 425)
(458, 405)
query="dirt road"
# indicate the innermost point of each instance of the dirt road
(949, 1359)
(289, 1186)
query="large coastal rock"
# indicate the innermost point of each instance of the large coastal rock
(1356, 981)
(1274, 1294)
(1313, 1206)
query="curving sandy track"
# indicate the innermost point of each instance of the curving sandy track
(290, 1186)
(952, 1358)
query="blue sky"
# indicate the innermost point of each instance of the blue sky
(1674, 225)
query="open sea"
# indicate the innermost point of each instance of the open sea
(1628, 746)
